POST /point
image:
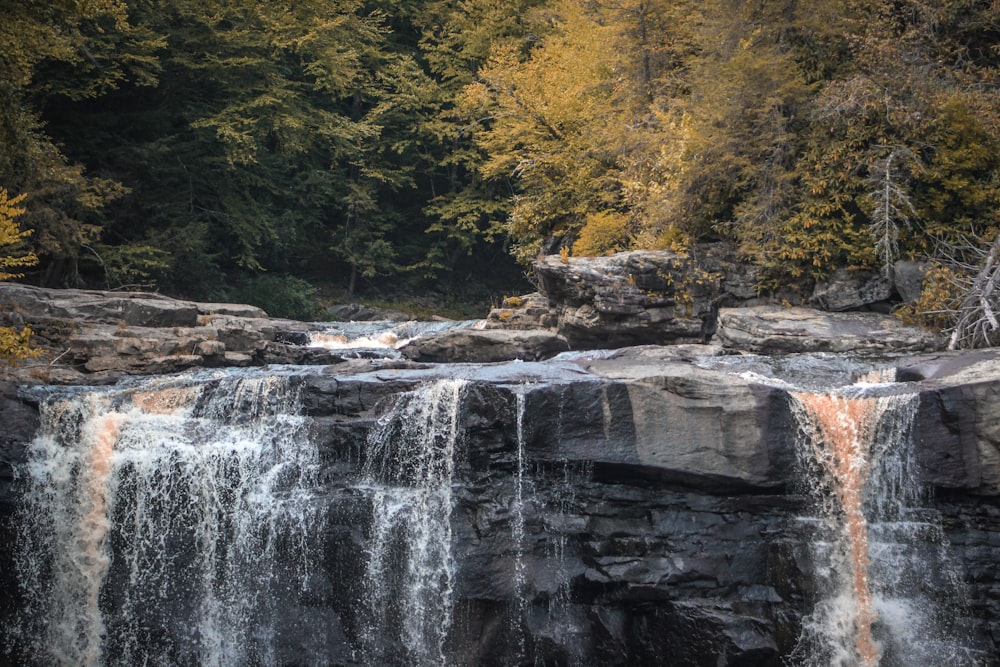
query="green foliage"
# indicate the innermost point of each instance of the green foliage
(280, 296)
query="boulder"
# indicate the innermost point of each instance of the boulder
(485, 346)
(851, 290)
(631, 298)
(779, 330)
(908, 277)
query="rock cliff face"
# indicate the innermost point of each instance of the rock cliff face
(622, 509)
(662, 297)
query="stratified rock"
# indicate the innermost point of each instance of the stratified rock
(852, 290)
(958, 430)
(232, 309)
(686, 422)
(627, 508)
(485, 346)
(631, 298)
(778, 330)
(140, 309)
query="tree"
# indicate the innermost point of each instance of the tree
(56, 52)
(543, 115)
(14, 343)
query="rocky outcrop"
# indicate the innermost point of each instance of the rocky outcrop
(631, 298)
(661, 297)
(530, 311)
(94, 337)
(780, 330)
(852, 290)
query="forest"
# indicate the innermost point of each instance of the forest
(261, 150)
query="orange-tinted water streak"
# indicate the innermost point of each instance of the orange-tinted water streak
(94, 525)
(844, 428)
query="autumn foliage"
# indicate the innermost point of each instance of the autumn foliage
(14, 343)
(195, 146)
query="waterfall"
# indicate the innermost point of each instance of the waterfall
(411, 570)
(517, 530)
(152, 521)
(885, 584)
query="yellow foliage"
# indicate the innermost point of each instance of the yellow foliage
(668, 237)
(934, 308)
(11, 235)
(512, 302)
(16, 344)
(604, 233)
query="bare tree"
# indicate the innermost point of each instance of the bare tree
(891, 204)
(975, 272)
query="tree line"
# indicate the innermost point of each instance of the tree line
(198, 145)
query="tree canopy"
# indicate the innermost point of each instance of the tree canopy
(195, 146)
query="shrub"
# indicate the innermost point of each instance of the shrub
(281, 296)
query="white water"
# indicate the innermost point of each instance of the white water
(411, 570)
(517, 529)
(385, 336)
(180, 494)
(887, 593)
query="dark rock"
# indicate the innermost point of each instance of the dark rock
(485, 346)
(908, 277)
(356, 312)
(621, 509)
(852, 290)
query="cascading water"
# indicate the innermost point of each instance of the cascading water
(884, 579)
(153, 521)
(517, 529)
(411, 569)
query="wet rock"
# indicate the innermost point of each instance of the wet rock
(779, 330)
(958, 429)
(619, 509)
